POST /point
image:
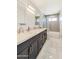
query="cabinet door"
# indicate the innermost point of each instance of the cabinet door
(23, 54)
(33, 50)
(39, 44)
(44, 36)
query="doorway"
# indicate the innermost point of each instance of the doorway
(53, 23)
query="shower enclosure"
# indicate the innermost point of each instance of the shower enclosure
(51, 22)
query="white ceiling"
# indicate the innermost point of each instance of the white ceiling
(48, 6)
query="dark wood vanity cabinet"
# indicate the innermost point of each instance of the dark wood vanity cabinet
(30, 48)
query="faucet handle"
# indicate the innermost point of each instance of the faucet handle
(28, 28)
(20, 30)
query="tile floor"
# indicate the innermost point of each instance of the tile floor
(52, 48)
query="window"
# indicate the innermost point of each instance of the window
(52, 19)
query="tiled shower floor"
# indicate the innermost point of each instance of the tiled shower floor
(52, 48)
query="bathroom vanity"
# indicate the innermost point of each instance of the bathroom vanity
(30, 43)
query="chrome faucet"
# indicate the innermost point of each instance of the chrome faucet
(28, 28)
(20, 30)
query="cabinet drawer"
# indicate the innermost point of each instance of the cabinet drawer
(23, 54)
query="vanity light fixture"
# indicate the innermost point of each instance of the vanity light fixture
(31, 7)
(28, 9)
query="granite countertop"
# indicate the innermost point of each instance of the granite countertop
(27, 35)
